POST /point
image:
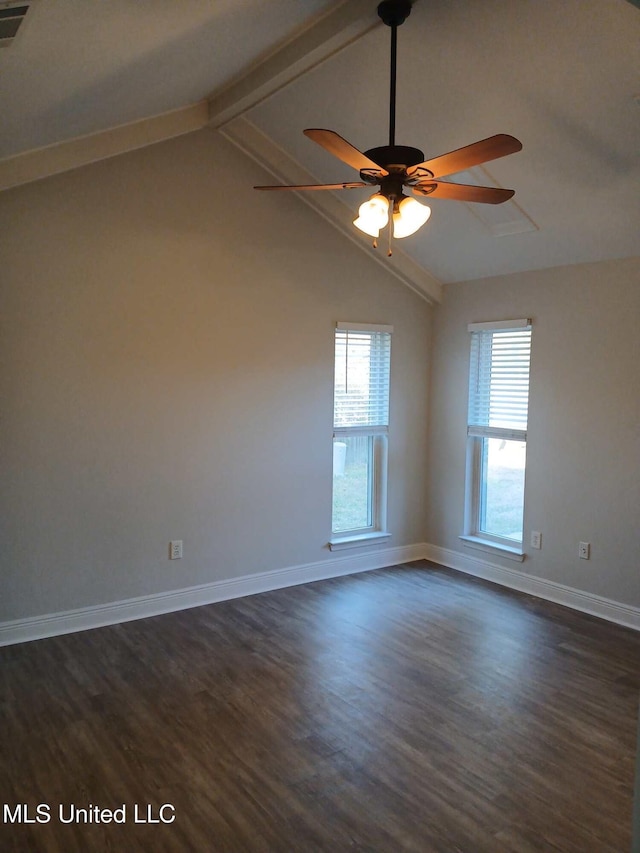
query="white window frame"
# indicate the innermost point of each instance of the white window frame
(376, 532)
(476, 434)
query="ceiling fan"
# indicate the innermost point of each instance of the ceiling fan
(394, 167)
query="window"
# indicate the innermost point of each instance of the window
(360, 432)
(497, 432)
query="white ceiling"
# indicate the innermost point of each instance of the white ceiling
(563, 76)
(79, 67)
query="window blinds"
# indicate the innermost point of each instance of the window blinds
(361, 391)
(499, 378)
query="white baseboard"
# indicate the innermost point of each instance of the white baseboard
(605, 608)
(53, 624)
(82, 619)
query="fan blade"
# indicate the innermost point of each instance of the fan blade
(343, 150)
(346, 186)
(471, 155)
(463, 192)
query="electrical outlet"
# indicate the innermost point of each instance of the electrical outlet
(536, 539)
(175, 549)
(584, 550)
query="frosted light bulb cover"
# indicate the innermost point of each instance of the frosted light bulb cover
(373, 215)
(411, 215)
(366, 226)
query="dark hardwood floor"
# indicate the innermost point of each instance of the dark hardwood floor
(407, 709)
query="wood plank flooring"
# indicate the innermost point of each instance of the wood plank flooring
(407, 709)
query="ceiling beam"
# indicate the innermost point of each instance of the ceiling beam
(329, 34)
(70, 154)
(338, 28)
(337, 208)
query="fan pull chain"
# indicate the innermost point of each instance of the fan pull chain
(375, 243)
(389, 252)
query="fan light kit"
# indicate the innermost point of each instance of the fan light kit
(393, 167)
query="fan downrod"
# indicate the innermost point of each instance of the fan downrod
(393, 13)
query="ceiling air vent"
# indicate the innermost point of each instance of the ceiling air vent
(11, 19)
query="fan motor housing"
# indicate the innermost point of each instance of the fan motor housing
(392, 158)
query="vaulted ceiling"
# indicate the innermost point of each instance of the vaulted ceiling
(563, 76)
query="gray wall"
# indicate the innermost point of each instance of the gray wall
(583, 451)
(167, 372)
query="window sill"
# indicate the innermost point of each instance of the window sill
(511, 552)
(359, 540)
